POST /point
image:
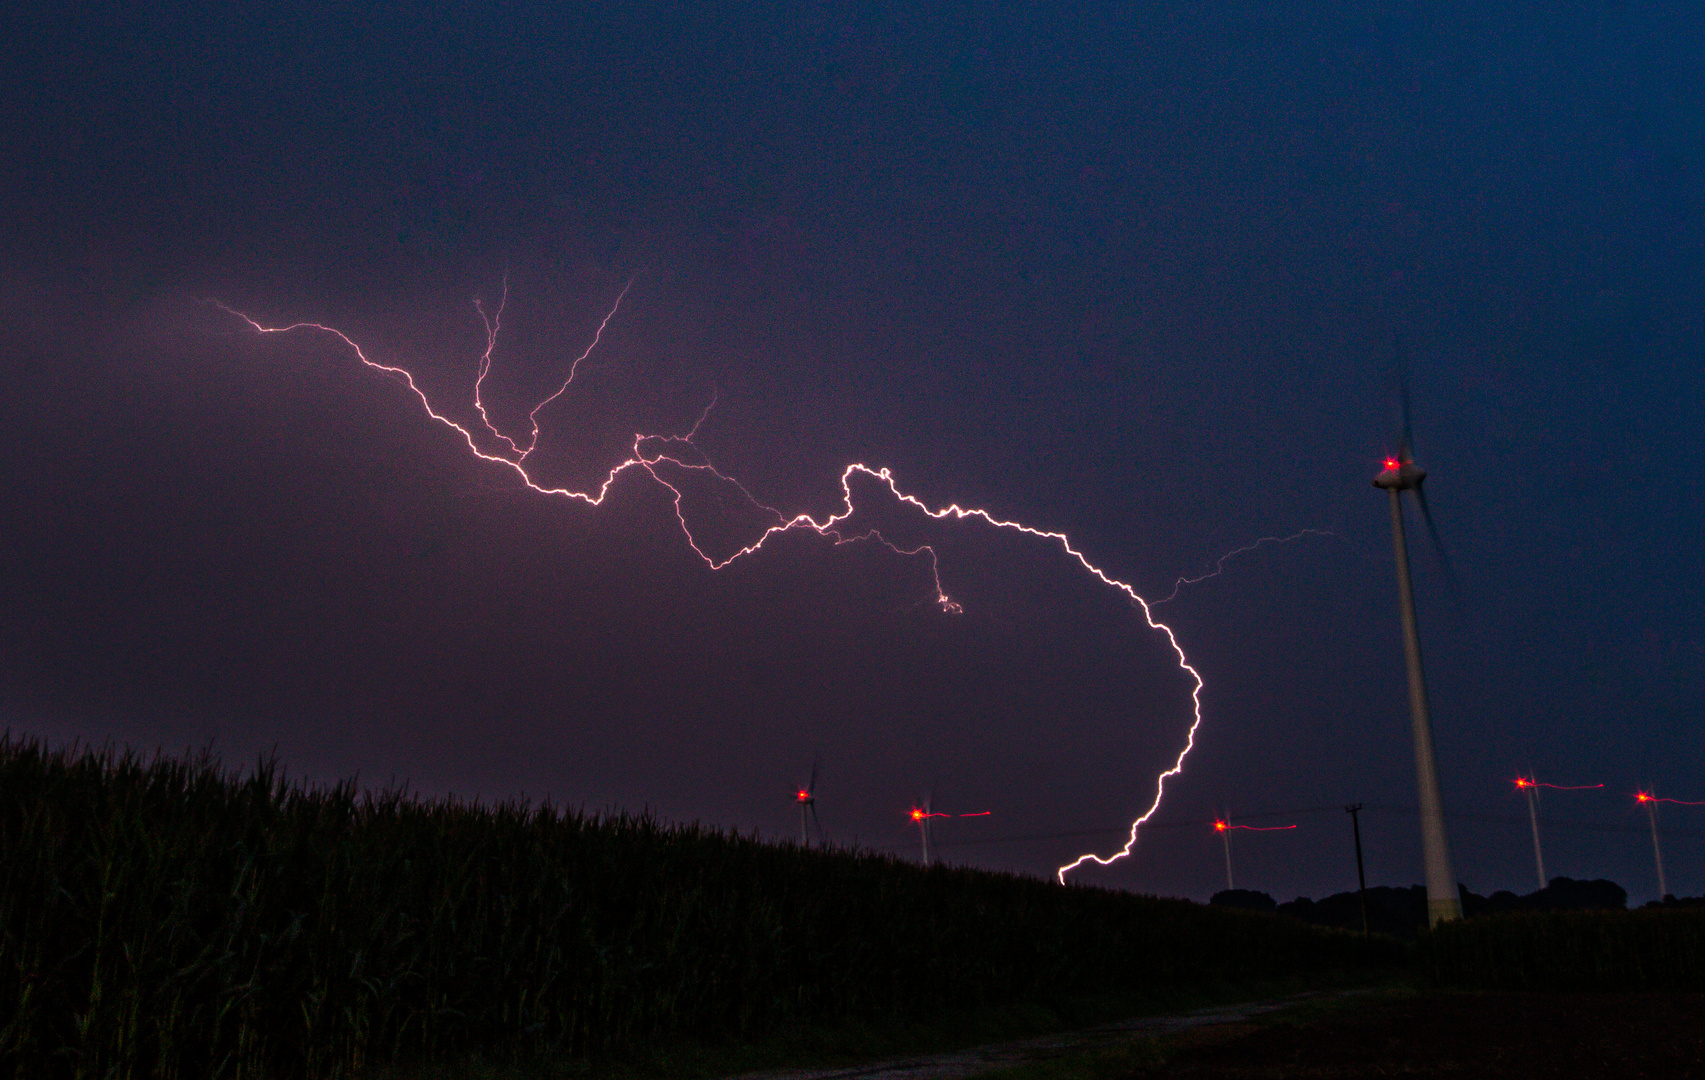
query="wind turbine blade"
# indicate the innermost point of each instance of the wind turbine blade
(811, 788)
(1433, 532)
(1406, 433)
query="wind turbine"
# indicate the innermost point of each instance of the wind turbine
(1650, 802)
(1528, 786)
(1223, 826)
(921, 816)
(1401, 474)
(806, 797)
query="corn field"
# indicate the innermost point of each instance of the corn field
(169, 918)
(1570, 950)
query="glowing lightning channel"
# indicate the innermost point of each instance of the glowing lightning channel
(1219, 567)
(651, 454)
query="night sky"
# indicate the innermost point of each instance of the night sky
(1134, 272)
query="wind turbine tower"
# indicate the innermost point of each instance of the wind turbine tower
(1224, 828)
(1443, 900)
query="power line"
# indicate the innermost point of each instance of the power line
(1262, 815)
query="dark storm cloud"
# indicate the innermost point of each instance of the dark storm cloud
(1133, 274)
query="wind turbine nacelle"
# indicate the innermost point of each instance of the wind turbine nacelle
(1399, 476)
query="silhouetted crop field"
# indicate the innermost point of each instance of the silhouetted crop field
(1648, 949)
(169, 918)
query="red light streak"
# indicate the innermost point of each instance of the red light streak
(980, 813)
(1648, 797)
(1526, 782)
(1225, 826)
(652, 455)
(919, 815)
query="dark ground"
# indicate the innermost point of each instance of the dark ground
(1496, 1035)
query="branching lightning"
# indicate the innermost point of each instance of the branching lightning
(659, 455)
(1219, 566)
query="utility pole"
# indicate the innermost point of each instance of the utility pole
(1361, 877)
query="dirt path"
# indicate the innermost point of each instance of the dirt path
(1494, 1035)
(981, 1059)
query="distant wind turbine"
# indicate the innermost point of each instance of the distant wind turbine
(1650, 802)
(1528, 786)
(921, 816)
(806, 797)
(1223, 826)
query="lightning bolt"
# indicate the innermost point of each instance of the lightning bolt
(1219, 567)
(661, 455)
